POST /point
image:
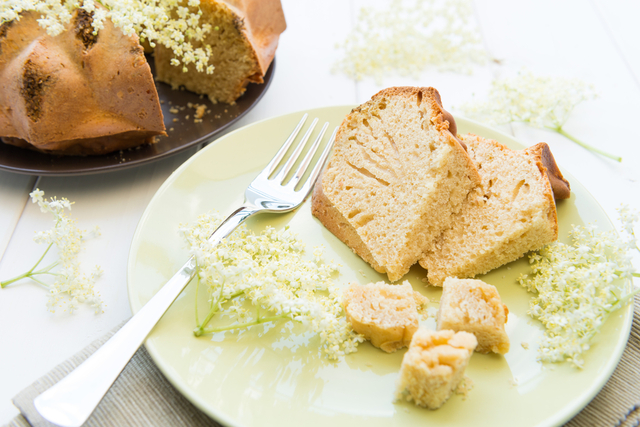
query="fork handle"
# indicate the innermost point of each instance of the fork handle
(71, 401)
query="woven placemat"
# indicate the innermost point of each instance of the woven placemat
(142, 396)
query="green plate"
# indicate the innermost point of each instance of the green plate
(274, 375)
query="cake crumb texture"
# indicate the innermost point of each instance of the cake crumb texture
(474, 306)
(387, 315)
(397, 175)
(243, 42)
(433, 367)
(512, 213)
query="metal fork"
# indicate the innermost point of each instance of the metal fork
(71, 401)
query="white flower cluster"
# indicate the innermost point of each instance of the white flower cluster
(269, 272)
(70, 286)
(165, 22)
(408, 36)
(577, 287)
(544, 102)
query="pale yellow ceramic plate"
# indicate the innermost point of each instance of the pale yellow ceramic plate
(274, 375)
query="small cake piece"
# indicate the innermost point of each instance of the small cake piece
(474, 306)
(243, 42)
(433, 367)
(387, 315)
(397, 175)
(512, 213)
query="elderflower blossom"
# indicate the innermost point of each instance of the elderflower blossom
(70, 286)
(269, 271)
(408, 36)
(542, 101)
(577, 286)
(163, 22)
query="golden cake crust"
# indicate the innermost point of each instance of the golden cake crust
(60, 94)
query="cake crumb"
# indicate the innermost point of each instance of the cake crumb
(525, 345)
(174, 110)
(465, 386)
(200, 110)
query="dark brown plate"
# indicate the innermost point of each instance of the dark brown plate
(182, 134)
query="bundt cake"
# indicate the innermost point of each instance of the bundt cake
(76, 93)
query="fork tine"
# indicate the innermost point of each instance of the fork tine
(294, 156)
(307, 159)
(280, 154)
(306, 188)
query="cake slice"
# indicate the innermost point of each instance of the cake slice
(243, 42)
(434, 366)
(474, 306)
(387, 315)
(512, 213)
(397, 176)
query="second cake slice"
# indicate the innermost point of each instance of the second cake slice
(512, 213)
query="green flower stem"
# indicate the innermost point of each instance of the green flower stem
(200, 331)
(31, 273)
(40, 282)
(584, 145)
(104, 5)
(196, 298)
(635, 274)
(628, 297)
(214, 309)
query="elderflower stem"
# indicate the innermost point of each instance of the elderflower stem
(30, 273)
(196, 299)
(199, 332)
(40, 282)
(584, 145)
(631, 294)
(106, 6)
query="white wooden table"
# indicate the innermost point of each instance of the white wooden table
(596, 40)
